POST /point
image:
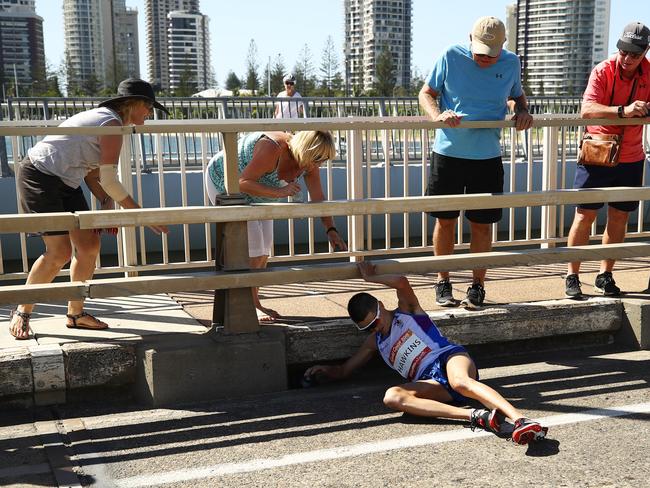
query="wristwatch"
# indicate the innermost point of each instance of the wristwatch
(621, 114)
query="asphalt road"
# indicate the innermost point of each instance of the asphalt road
(596, 404)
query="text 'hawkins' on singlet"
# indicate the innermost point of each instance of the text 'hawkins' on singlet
(414, 342)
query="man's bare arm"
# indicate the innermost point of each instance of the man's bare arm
(407, 300)
(428, 99)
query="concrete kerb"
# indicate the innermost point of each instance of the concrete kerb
(171, 368)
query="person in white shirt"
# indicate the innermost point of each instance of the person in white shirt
(289, 109)
(49, 180)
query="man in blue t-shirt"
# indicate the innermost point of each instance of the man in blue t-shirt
(476, 81)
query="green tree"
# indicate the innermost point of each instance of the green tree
(49, 85)
(540, 92)
(91, 86)
(417, 81)
(252, 76)
(524, 83)
(233, 83)
(384, 73)
(53, 89)
(331, 79)
(69, 75)
(278, 70)
(186, 83)
(304, 72)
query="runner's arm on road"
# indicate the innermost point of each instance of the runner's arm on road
(342, 371)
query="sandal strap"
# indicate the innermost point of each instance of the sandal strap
(24, 317)
(76, 317)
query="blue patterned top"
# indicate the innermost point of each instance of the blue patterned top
(245, 147)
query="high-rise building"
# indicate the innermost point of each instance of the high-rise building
(370, 27)
(22, 54)
(125, 33)
(188, 45)
(511, 27)
(560, 41)
(101, 42)
(157, 21)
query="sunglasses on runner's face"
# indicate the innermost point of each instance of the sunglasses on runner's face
(289, 83)
(373, 322)
(628, 53)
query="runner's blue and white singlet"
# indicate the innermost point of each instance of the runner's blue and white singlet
(413, 344)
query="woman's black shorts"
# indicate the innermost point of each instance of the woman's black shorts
(40, 193)
(457, 176)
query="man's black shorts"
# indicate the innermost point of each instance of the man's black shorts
(457, 176)
(623, 174)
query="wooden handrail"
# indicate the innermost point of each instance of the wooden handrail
(11, 223)
(110, 287)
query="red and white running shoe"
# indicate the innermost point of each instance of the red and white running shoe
(527, 430)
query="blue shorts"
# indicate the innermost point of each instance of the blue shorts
(623, 174)
(437, 371)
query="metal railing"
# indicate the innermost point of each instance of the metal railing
(35, 108)
(367, 173)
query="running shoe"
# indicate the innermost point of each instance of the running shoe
(573, 289)
(444, 295)
(606, 285)
(475, 296)
(489, 420)
(527, 430)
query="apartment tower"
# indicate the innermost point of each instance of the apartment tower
(22, 54)
(559, 42)
(157, 22)
(370, 27)
(188, 46)
(101, 42)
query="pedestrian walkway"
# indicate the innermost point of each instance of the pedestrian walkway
(307, 302)
(137, 317)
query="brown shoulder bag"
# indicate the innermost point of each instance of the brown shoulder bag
(603, 149)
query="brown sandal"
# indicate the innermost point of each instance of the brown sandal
(24, 328)
(75, 325)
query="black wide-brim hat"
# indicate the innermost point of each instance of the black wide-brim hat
(135, 88)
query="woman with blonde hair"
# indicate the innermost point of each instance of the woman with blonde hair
(49, 180)
(270, 167)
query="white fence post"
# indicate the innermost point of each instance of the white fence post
(549, 182)
(355, 189)
(128, 240)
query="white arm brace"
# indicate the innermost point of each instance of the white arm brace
(110, 183)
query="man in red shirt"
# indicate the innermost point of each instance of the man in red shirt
(618, 87)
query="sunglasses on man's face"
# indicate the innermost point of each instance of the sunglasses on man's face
(373, 323)
(289, 83)
(625, 54)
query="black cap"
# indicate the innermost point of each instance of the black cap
(135, 88)
(635, 38)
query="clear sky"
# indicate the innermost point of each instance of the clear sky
(285, 27)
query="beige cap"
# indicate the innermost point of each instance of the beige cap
(488, 36)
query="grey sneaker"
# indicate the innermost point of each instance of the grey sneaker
(606, 285)
(475, 296)
(573, 289)
(444, 295)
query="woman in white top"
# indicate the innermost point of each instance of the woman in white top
(49, 180)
